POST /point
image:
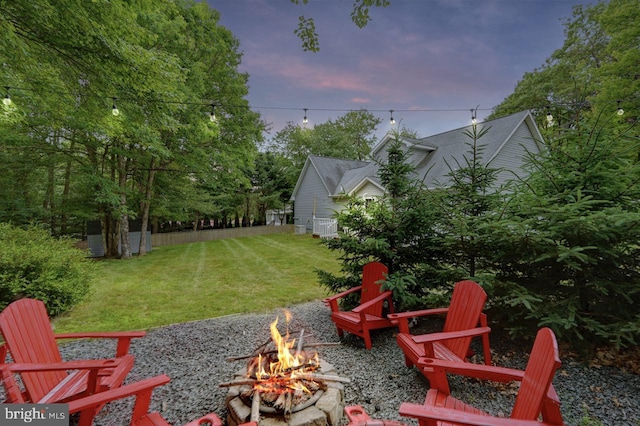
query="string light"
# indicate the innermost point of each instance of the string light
(7, 97)
(116, 112)
(474, 112)
(212, 115)
(114, 109)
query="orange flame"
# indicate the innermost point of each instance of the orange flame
(287, 362)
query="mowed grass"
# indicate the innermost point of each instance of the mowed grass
(195, 281)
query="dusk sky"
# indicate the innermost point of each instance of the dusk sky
(430, 61)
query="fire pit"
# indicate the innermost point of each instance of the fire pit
(285, 383)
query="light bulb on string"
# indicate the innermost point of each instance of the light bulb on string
(474, 112)
(391, 120)
(305, 120)
(549, 118)
(114, 109)
(619, 111)
(7, 97)
(212, 115)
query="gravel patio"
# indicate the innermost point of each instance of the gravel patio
(194, 356)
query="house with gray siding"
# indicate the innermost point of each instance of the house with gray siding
(325, 183)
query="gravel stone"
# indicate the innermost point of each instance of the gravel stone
(194, 356)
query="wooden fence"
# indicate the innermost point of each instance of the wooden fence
(173, 238)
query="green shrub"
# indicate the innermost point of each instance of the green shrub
(36, 265)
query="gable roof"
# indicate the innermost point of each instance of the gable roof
(438, 153)
(448, 147)
(330, 170)
(355, 178)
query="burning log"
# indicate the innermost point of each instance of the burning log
(239, 382)
(281, 375)
(298, 397)
(280, 402)
(323, 378)
(255, 407)
(287, 403)
(300, 336)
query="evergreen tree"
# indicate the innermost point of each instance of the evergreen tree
(566, 252)
(465, 204)
(394, 229)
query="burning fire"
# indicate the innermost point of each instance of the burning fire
(285, 368)
(281, 377)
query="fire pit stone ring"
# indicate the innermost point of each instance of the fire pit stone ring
(323, 408)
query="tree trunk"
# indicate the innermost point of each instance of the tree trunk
(246, 221)
(49, 201)
(110, 236)
(65, 196)
(144, 208)
(125, 243)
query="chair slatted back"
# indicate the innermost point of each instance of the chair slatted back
(373, 275)
(467, 302)
(541, 367)
(28, 335)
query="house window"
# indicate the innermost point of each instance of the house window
(368, 199)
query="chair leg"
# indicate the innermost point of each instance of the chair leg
(367, 340)
(486, 349)
(408, 361)
(437, 379)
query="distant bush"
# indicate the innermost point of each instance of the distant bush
(34, 264)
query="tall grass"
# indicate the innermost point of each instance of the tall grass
(202, 280)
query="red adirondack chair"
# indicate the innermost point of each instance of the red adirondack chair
(464, 320)
(536, 397)
(140, 416)
(46, 378)
(369, 314)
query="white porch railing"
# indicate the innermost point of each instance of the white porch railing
(325, 228)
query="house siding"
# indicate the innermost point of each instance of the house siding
(369, 190)
(513, 155)
(312, 188)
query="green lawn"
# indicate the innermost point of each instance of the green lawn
(189, 282)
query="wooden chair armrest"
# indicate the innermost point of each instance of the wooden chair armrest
(123, 337)
(342, 294)
(101, 335)
(439, 336)
(378, 299)
(65, 365)
(478, 371)
(137, 388)
(421, 313)
(401, 319)
(460, 417)
(96, 369)
(142, 391)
